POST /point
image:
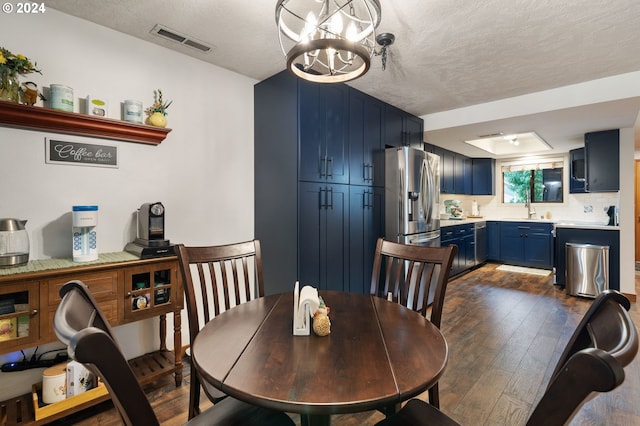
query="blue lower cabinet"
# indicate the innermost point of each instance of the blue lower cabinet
(601, 237)
(493, 240)
(463, 237)
(527, 244)
(323, 235)
(366, 224)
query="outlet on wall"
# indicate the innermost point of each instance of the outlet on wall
(588, 209)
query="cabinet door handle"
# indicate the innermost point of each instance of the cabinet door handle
(329, 167)
(368, 172)
(368, 199)
(322, 166)
(322, 198)
(330, 196)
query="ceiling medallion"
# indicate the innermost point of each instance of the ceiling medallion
(328, 41)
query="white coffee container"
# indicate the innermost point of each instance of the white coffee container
(61, 97)
(54, 384)
(83, 232)
(132, 111)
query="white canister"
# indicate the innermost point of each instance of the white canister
(84, 235)
(132, 111)
(61, 97)
(54, 384)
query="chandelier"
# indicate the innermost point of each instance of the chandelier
(328, 41)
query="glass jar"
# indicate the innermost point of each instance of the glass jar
(9, 86)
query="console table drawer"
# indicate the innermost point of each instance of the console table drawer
(103, 285)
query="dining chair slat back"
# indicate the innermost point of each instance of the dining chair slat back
(414, 275)
(397, 268)
(80, 324)
(605, 341)
(215, 279)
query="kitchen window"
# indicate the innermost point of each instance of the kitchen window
(543, 180)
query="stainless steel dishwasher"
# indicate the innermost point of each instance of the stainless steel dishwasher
(480, 238)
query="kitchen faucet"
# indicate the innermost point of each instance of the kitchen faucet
(530, 209)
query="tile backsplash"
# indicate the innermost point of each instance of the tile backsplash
(589, 207)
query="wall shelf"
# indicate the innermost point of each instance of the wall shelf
(46, 119)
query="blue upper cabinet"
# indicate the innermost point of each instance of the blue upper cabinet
(324, 139)
(576, 171)
(483, 176)
(366, 115)
(602, 161)
(402, 128)
(460, 174)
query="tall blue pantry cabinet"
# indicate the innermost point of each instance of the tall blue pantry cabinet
(319, 183)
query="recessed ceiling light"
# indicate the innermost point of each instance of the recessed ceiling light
(511, 144)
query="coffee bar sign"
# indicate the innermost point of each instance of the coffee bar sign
(81, 154)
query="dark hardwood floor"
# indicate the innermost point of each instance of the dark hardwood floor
(505, 332)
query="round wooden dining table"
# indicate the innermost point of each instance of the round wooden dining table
(378, 354)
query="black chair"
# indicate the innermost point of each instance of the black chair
(605, 341)
(79, 323)
(411, 274)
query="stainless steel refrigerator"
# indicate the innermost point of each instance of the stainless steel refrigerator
(412, 196)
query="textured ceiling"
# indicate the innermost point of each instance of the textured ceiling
(448, 54)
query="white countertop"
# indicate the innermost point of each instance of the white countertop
(557, 223)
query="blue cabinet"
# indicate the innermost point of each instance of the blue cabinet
(576, 171)
(460, 174)
(527, 244)
(366, 117)
(366, 224)
(402, 128)
(602, 161)
(317, 200)
(601, 237)
(463, 237)
(493, 240)
(323, 239)
(483, 172)
(324, 112)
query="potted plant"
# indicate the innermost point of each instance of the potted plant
(158, 111)
(10, 66)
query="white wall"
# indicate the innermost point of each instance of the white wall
(202, 172)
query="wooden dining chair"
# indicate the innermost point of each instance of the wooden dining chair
(80, 324)
(215, 279)
(605, 341)
(411, 274)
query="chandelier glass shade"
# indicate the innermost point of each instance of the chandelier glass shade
(328, 41)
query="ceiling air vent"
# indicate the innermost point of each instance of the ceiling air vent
(173, 35)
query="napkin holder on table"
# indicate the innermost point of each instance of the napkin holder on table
(305, 304)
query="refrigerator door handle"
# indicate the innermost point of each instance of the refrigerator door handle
(427, 193)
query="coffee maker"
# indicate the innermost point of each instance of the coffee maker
(612, 212)
(150, 241)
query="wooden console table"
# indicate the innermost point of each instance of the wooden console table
(127, 289)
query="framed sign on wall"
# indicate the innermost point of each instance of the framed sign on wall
(59, 151)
